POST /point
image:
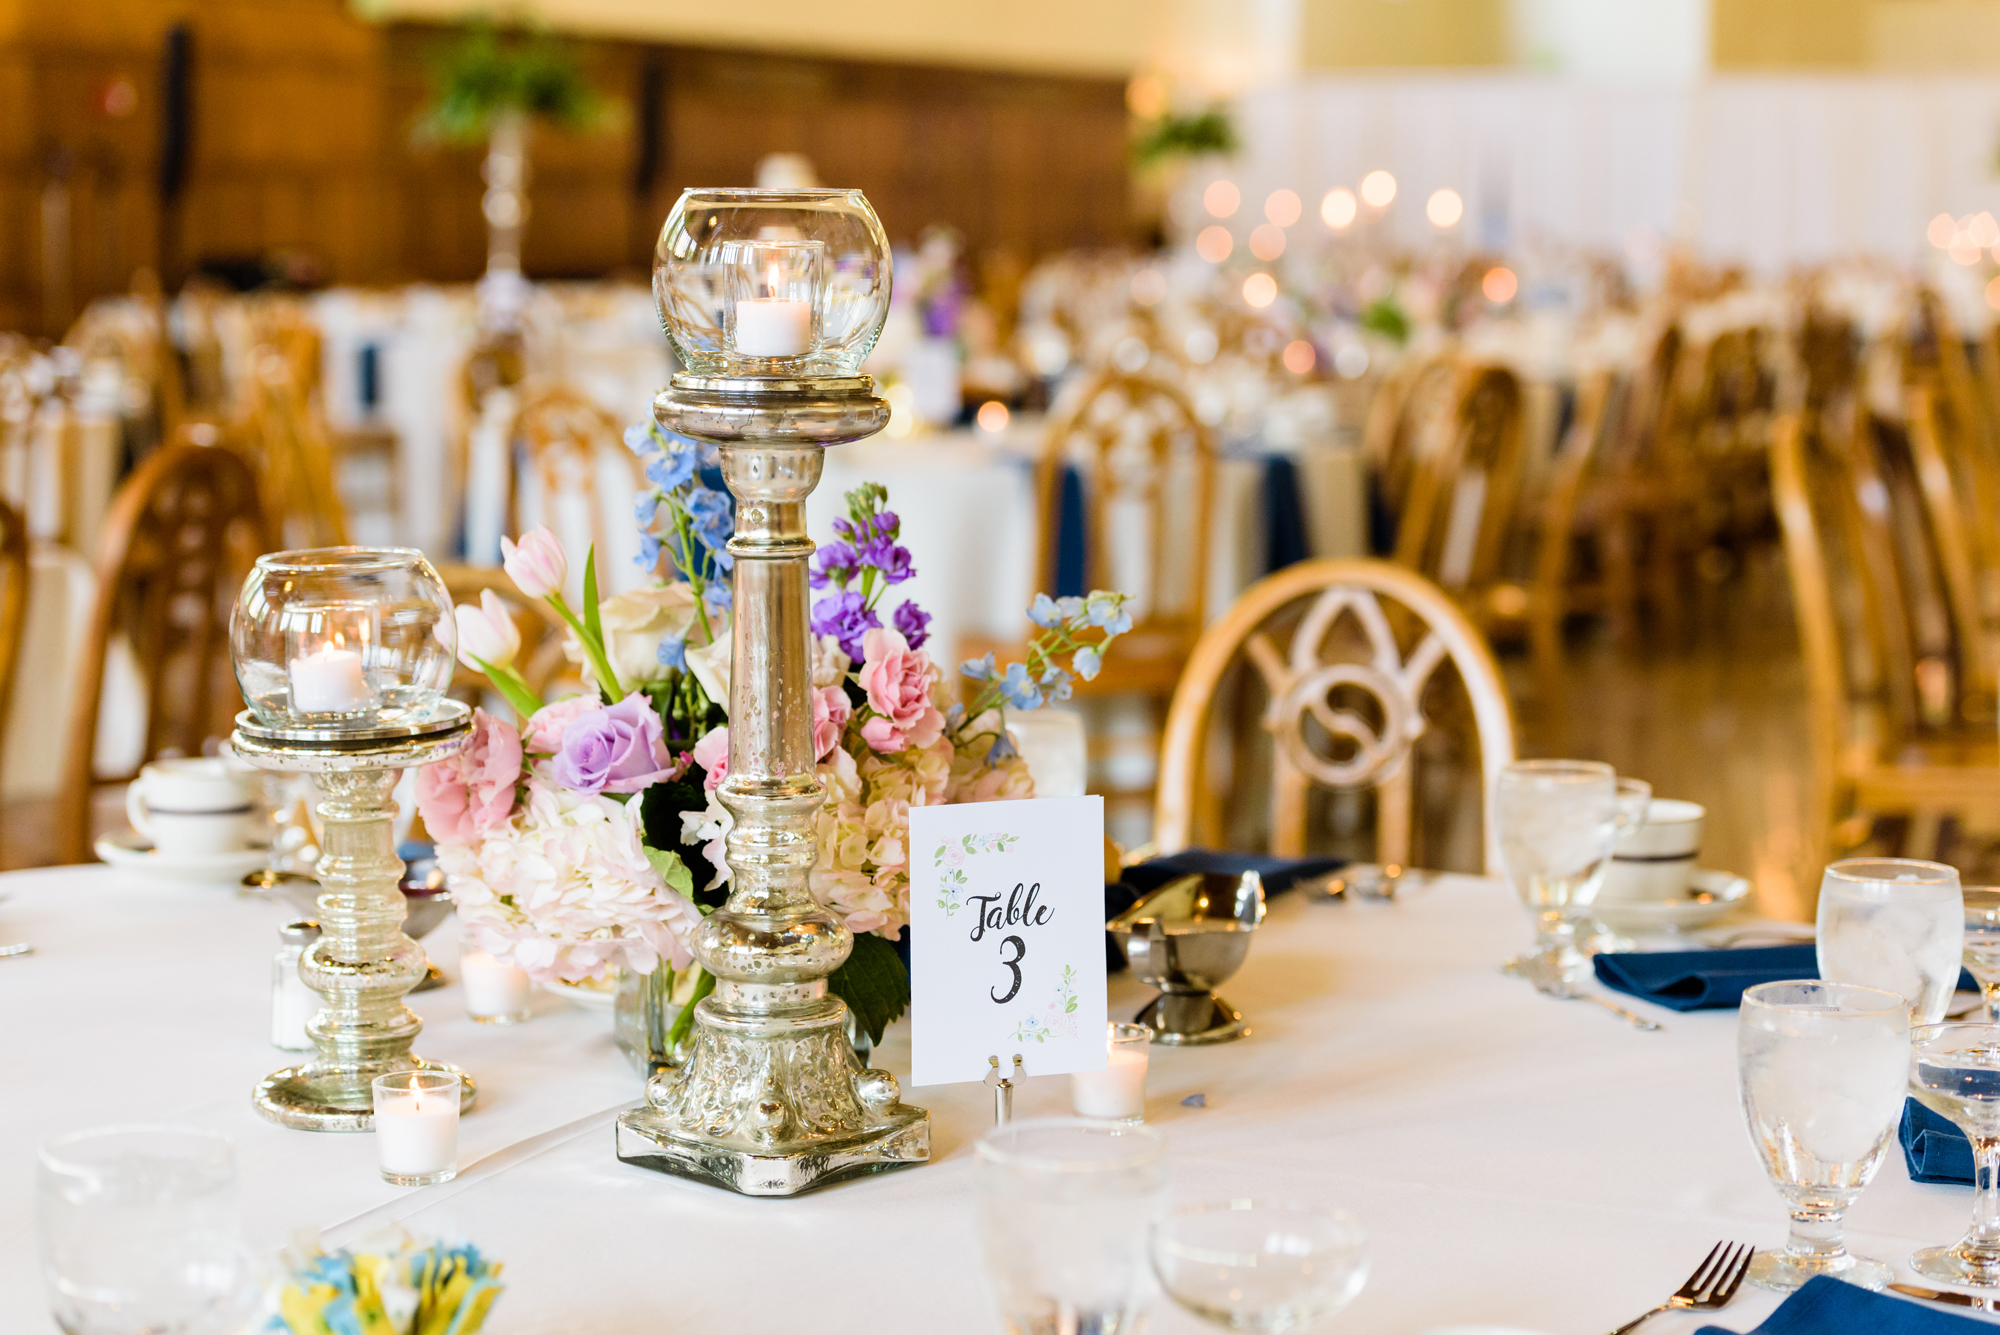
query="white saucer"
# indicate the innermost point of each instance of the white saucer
(587, 995)
(1710, 895)
(129, 850)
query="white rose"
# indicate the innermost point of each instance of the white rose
(635, 624)
(710, 662)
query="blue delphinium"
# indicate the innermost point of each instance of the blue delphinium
(1083, 628)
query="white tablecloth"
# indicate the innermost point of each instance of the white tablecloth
(1519, 1161)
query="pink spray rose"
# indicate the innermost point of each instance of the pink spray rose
(712, 754)
(547, 725)
(536, 563)
(472, 792)
(617, 749)
(831, 711)
(898, 680)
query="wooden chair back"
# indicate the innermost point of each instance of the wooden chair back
(13, 604)
(1581, 454)
(1147, 464)
(1407, 419)
(1460, 512)
(563, 439)
(1962, 532)
(1804, 536)
(182, 532)
(1344, 698)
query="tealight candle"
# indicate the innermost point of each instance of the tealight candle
(1118, 1092)
(773, 327)
(329, 681)
(416, 1126)
(495, 992)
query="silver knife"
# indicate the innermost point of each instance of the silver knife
(1939, 1296)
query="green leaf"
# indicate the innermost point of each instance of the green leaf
(672, 870)
(873, 983)
(591, 619)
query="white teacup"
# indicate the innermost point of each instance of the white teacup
(192, 806)
(1656, 861)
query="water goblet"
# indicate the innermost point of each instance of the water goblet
(1982, 944)
(1260, 1265)
(1955, 1072)
(1557, 821)
(1823, 1067)
(1896, 924)
(140, 1233)
(1064, 1206)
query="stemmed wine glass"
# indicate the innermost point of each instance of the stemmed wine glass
(1260, 1265)
(1557, 821)
(1896, 924)
(1982, 944)
(1955, 1072)
(1823, 1067)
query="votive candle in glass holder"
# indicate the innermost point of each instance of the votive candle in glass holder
(495, 992)
(774, 298)
(416, 1126)
(328, 666)
(1118, 1092)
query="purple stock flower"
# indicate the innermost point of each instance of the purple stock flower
(619, 749)
(887, 557)
(837, 561)
(846, 617)
(914, 623)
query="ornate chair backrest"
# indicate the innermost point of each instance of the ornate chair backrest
(1344, 700)
(293, 452)
(565, 442)
(1407, 419)
(182, 532)
(541, 664)
(1956, 491)
(1460, 511)
(1147, 464)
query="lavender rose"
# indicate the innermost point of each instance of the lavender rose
(619, 749)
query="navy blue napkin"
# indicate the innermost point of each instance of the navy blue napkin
(1278, 875)
(1934, 1149)
(1696, 980)
(1829, 1307)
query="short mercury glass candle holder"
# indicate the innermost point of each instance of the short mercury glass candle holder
(343, 639)
(774, 283)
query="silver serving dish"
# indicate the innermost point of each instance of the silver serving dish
(1187, 938)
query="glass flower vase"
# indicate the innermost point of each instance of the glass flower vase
(642, 1018)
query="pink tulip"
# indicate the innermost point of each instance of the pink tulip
(487, 635)
(536, 563)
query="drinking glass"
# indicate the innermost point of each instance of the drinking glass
(1896, 924)
(1260, 1265)
(1955, 1072)
(1064, 1206)
(140, 1233)
(1823, 1067)
(1982, 944)
(1557, 821)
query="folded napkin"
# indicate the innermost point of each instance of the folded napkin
(1934, 1149)
(1278, 875)
(1829, 1307)
(1695, 980)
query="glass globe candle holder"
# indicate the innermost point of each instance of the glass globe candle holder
(343, 639)
(343, 655)
(772, 283)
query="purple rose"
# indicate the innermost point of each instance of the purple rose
(620, 749)
(914, 623)
(846, 617)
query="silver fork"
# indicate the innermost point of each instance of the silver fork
(1712, 1284)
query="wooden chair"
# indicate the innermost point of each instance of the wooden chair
(564, 439)
(1873, 756)
(289, 441)
(1571, 515)
(1344, 700)
(13, 603)
(183, 530)
(1406, 417)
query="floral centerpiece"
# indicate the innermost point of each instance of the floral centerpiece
(588, 834)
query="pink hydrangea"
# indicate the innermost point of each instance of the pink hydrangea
(898, 680)
(471, 793)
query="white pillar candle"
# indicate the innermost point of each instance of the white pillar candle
(495, 993)
(416, 1126)
(772, 327)
(330, 681)
(1118, 1092)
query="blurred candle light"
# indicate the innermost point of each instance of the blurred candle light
(1337, 210)
(1149, 287)
(1299, 357)
(1444, 208)
(1941, 231)
(1377, 189)
(1260, 290)
(1282, 208)
(1965, 250)
(992, 417)
(1146, 97)
(1499, 285)
(1984, 231)
(1267, 242)
(1993, 294)
(1214, 244)
(1221, 198)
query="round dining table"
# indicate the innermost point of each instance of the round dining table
(1519, 1161)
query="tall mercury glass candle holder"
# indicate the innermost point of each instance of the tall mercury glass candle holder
(771, 1100)
(343, 655)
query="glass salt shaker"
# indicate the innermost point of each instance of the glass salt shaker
(292, 1002)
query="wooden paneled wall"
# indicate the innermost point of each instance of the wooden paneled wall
(300, 141)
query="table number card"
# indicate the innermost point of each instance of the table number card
(1007, 946)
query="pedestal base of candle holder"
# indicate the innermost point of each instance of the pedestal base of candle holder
(1186, 1020)
(306, 1099)
(797, 1113)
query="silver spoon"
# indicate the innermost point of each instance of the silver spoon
(1531, 968)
